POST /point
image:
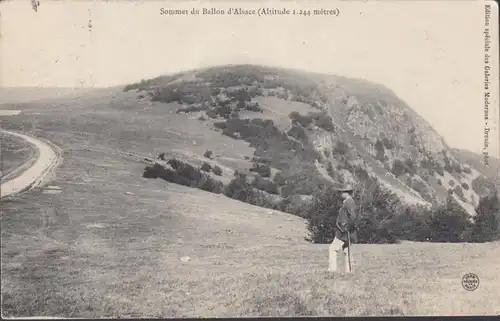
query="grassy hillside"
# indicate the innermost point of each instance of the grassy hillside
(114, 243)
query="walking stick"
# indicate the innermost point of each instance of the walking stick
(349, 250)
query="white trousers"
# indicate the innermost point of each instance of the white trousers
(334, 250)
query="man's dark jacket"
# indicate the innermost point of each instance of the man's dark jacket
(346, 220)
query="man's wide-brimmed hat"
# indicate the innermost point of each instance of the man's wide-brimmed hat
(346, 188)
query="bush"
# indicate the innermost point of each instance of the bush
(459, 192)
(211, 113)
(208, 154)
(191, 109)
(449, 223)
(467, 170)
(410, 166)
(439, 182)
(398, 168)
(298, 132)
(217, 170)
(304, 121)
(465, 186)
(487, 220)
(263, 170)
(254, 107)
(324, 121)
(265, 185)
(341, 148)
(388, 144)
(451, 183)
(321, 215)
(379, 150)
(206, 167)
(239, 189)
(183, 174)
(280, 179)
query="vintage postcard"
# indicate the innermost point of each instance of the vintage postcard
(249, 158)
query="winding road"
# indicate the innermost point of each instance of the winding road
(38, 172)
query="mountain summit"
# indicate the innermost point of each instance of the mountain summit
(315, 129)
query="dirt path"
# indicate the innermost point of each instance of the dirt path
(48, 158)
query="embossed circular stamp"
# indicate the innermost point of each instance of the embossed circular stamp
(470, 281)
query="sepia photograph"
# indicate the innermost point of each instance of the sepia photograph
(202, 159)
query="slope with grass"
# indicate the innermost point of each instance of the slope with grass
(113, 243)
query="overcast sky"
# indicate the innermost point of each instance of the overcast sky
(430, 53)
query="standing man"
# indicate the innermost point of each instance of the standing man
(346, 230)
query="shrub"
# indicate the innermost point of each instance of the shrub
(211, 113)
(388, 144)
(451, 183)
(327, 153)
(324, 121)
(206, 167)
(449, 223)
(208, 154)
(298, 132)
(217, 170)
(223, 111)
(239, 189)
(439, 182)
(467, 170)
(398, 168)
(410, 166)
(304, 121)
(465, 186)
(341, 148)
(265, 185)
(439, 169)
(263, 170)
(458, 191)
(280, 179)
(321, 215)
(191, 109)
(379, 150)
(487, 220)
(183, 174)
(254, 107)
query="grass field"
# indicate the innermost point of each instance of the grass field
(110, 244)
(16, 153)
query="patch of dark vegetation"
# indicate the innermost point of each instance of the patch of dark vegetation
(279, 179)
(302, 120)
(183, 174)
(383, 219)
(400, 168)
(298, 132)
(320, 119)
(483, 186)
(217, 170)
(240, 189)
(459, 192)
(206, 167)
(341, 148)
(263, 170)
(208, 154)
(253, 107)
(265, 185)
(191, 109)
